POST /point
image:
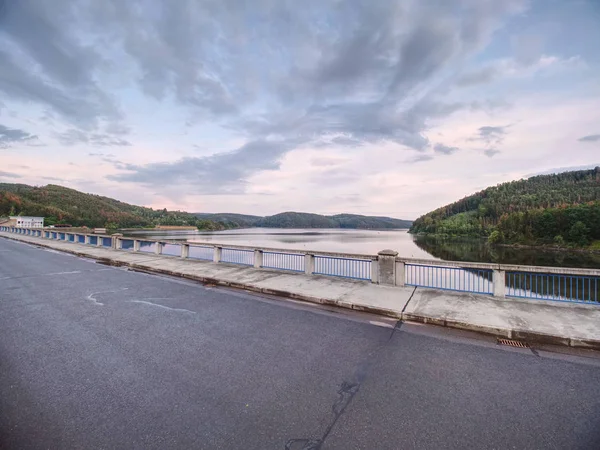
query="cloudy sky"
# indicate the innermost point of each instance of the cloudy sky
(261, 106)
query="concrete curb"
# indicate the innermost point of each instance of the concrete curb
(521, 335)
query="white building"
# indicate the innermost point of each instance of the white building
(27, 221)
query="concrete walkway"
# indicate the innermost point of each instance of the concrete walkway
(575, 325)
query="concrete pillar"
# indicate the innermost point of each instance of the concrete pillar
(400, 273)
(386, 261)
(99, 241)
(185, 251)
(499, 282)
(258, 258)
(136, 245)
(217, 253)
(158, 249)
(116, 241)
(309, 264)
(374, 271)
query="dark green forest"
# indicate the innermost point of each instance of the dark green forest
(559, 209)
(307, 220)
(61, 205)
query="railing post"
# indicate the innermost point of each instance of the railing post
(217, 254)
(136, 246)
(499, 282)
(374, 271)
(185, 251)
(386, 261)
(116, 241)
(309, 264)
(400, 273)
(158, 249)
(258, 258)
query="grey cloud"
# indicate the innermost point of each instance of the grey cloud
(360, 69)
(352, 74)
(491, 135)
(75, 137)
(444, 149)
(65, 68)
(9, 174)
(419, 158)
(108, 155)
(490, 152)
(223, 173)
(590, 138)
(481, 76)
(12, 136)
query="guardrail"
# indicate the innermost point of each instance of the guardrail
(531, 282)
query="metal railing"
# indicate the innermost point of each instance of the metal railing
(565, 288)
(450, 278)
(237, 256)
(283, 261)
(148, 246)
(530, 282)
(171, 249)
(359, 269)
(127, 244)
(203, 252)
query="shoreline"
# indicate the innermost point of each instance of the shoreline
(547, 247)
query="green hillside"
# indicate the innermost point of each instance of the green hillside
(231, 220)
(307, 220)
(559, 209)
(63, 205)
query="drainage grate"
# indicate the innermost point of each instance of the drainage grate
(513, 343)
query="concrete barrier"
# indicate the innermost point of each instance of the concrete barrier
(386, 268)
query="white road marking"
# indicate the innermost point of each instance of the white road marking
(162, 306)
(92, 296)
(382, 324)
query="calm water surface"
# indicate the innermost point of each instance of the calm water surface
(372, 241)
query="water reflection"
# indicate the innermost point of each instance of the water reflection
(477, 250)
(367, 242)
(370, 242)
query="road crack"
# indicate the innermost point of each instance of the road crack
(346, 392)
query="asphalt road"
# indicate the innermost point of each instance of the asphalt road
(99, 357)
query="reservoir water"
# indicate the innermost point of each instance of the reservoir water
(372, 241)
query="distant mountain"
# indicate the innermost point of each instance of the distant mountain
(232, 220)
(559, 209)
(59, 204)
(307, 220)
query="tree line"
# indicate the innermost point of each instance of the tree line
(60, 205)
(558, 209)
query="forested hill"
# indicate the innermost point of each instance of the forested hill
(558, 208)
(307, 220)
(63, 205)
(67, 206)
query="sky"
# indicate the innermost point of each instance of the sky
(261, 106)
